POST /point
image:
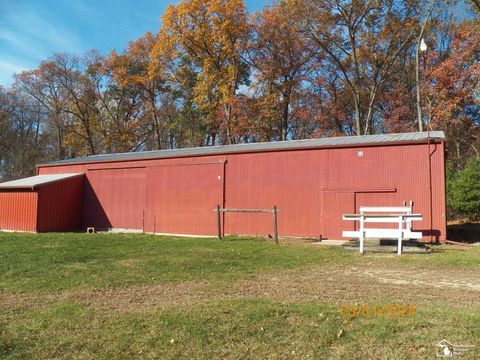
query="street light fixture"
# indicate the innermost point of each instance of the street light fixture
(423, 46)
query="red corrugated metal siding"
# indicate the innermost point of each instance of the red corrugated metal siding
(60, 205)
(68, 169)
(18, 210)
(115, 198)
(312, 188)
(289, 180)
(334, 205)
(181, 198)
(403, 168)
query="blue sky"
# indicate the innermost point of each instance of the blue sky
(31, 30)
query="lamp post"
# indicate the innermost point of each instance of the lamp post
(421, 47)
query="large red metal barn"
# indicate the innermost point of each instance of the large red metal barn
(313, 182)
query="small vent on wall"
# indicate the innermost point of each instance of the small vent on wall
(359, 153)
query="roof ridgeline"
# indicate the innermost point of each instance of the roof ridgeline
(363, 140)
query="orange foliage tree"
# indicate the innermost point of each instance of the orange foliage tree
(283, 60)
(214, 34)
(452, 87)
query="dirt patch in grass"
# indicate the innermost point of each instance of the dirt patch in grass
(17, 301)
(125, 299)
(454, 279)
(367, 284)
(139, 298)
(332, 284)
(130, 262)
(81, 265)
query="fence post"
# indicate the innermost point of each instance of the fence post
(219, 226)
(400, 235)
(275, 229)
(362, 233)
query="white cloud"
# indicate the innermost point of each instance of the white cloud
(32, 30)
(19, 42)
(27, 37)
(8, 68)
(11, 67)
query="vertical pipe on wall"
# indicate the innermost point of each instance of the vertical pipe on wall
(430, 185)
(275, 227)
(444, 165)
(223, 195)
(219, 226)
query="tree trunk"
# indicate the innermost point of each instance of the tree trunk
(358, 125)
(58, 128)
(156, 125)
(228, 114)
(369, 121)
(285, 115)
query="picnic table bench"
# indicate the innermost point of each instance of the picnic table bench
(402, 216)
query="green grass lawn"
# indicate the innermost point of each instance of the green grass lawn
(120, 296)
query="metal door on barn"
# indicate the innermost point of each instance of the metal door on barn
(115, 198)
(334, 205)
(181, 198)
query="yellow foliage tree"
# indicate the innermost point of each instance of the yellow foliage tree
(214, 33)
(138, 67)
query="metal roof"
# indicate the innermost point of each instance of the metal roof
(363, 140)
(35, 181)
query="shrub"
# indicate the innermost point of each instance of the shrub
(463, 190)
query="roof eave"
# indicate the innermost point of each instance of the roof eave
(35, 187)
(17, 188)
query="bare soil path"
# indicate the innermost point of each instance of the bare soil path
(331, 284)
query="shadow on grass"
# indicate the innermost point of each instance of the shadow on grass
(464, 232)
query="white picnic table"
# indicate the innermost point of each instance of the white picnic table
(402, 216)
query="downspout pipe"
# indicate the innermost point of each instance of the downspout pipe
(430, 185)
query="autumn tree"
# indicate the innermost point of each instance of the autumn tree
(282, 58)
(214, 34)
(40, 84)
(363, 39)
(195, 127)
(188, 124)
(119, 108)
(476, 5)
(452, 85)
(138, 70)
(82, 113)
(22, 143)
(64, 91)
(215, 74)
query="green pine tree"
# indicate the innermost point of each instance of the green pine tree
(464, 190)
